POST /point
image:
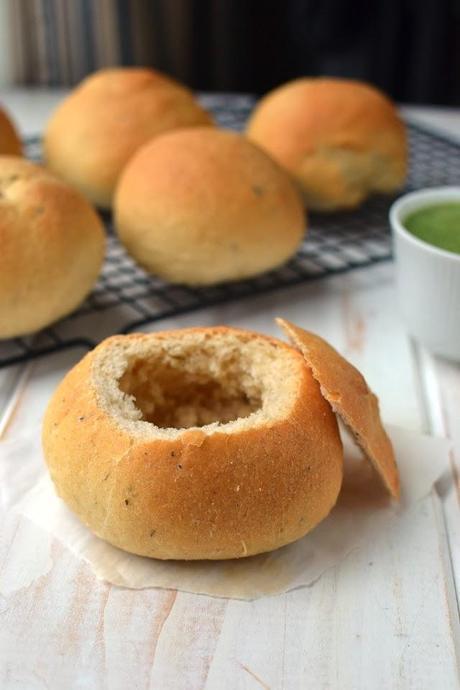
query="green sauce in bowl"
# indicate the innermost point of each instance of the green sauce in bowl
(438, 225)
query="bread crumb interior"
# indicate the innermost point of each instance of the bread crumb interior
(170, 396)
(209, 379)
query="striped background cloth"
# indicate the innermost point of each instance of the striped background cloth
(58, 42)
(408, 48)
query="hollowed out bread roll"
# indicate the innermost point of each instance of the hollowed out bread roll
(10, 144)
(96, 129)
(341, 140)
(52, 247)
(203, 443)
(202, 205)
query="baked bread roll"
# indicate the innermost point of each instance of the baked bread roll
(341, 140)
(96, 129)
(204, 443)
(201, 206)
(52, 247)
(10, 144)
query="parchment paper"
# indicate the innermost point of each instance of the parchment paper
(362, 513)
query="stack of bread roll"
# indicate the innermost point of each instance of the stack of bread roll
(202, 443)
(192, 203)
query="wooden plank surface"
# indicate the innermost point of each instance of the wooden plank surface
(387, 617)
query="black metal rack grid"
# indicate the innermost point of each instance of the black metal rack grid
(126, 298)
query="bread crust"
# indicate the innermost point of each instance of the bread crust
(201, 206)
(52, 247)
(99, 126)
(10, 143)
(341, 139)
(201, 495)
(351, 398)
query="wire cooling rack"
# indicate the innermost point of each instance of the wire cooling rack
(126, 298)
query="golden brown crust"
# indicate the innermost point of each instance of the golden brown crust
(10, 143)
(52, 247)
(349, 395)
(341, 139)
(93, 133)
(201, 206)
(198, 496)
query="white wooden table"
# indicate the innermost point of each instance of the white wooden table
(386, 618)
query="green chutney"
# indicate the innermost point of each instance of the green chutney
(438, 225)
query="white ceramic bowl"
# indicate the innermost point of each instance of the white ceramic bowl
(428, 278)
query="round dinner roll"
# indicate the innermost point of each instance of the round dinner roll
(202, 443)
(95, 131)
(341, 140)
(10, 144)
(52, 247)
(202, 206)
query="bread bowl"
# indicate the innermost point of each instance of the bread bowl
(10, 143)
(97, 128)
(52, 247)
(186, 485)
(202, 206)
(342, 140)
(201, 443)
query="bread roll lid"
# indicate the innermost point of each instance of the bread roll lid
(10, 143)
(347, 392)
